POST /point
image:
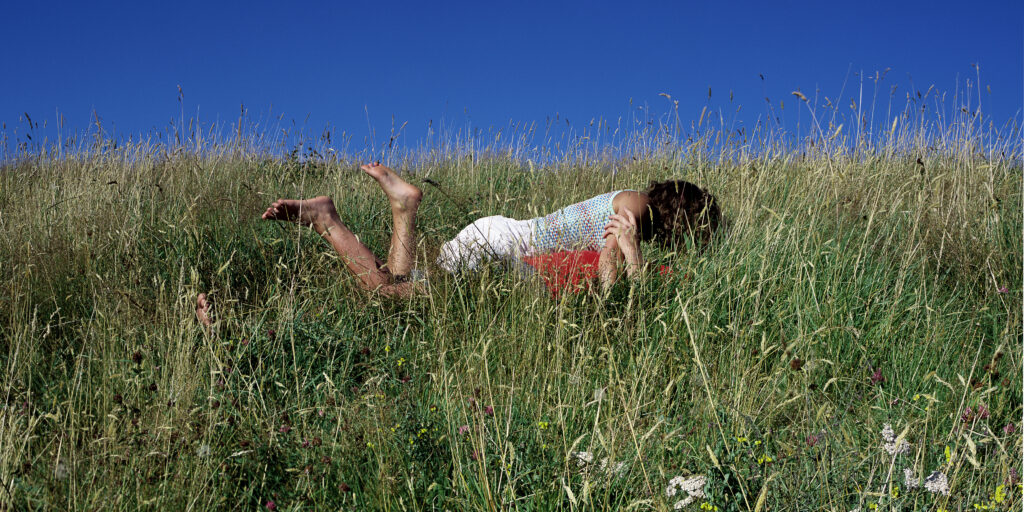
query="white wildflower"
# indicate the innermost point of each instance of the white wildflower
(892, 445)
(693, 487)
(900, 448)
(888, 434)
(60, 471)
(681, 504)
(616, 469)
(910, 479)
(582, 458)
(203, 451)
(937, 483)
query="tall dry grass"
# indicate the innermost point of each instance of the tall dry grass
(865, 276)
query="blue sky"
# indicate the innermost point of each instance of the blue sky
(352, 65)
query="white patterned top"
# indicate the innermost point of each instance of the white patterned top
(578, 226)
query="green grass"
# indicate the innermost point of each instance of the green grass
(849, 289)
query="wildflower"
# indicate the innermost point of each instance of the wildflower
(543, 425)
(475, 455)
(982, 412)
(401, 360)
(1014, 476)
(910, 479)
(892, 445)
(937, 483)
(245, 341)
(1003, 289)
(463, 429)
(681, 504)
(949, 455)
(582, 458)
(708, 506)
(877, 378)
(764, 459)
(387, 349)
(812, 440)
(1000, 494)
(741, 439)
(895, 491)
(369, 444)
(270, 503)
(616, 469)
(271, 334)
(489, 410)
(967, 415)
(873, 506)
(917, 396)
(284, 429)
(888, 434)
(1009, 428)
(203, 451)
(305, 443)
(60, 471)
(693, 486)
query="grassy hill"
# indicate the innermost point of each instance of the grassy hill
(849, 289)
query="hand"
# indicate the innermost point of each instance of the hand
(623, 228)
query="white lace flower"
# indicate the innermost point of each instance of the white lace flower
(910, 479)
(937, 483)
(616, 469)
(582, 458)
(693, 487)
(891, 446)
(681, 504)
(888, 434)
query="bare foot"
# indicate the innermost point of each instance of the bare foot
(203, 310)
(302, 211)
(401, 194)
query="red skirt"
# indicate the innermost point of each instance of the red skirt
(570, 271)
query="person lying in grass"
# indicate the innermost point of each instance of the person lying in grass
(611, 225)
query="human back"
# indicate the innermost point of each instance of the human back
(579, 226)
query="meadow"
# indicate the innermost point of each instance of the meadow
(851, 340)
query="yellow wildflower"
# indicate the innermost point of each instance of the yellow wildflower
(1000, 494)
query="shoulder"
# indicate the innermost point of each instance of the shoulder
(635, 202)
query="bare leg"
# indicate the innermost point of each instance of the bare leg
(320, 214)
(203, 310)
(405, 201)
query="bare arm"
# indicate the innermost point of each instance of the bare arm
(621, 244)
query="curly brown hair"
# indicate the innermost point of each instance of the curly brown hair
(681, 208)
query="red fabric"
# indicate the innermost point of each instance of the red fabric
(570, 270)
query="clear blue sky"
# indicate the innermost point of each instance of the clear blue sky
(483, 62)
